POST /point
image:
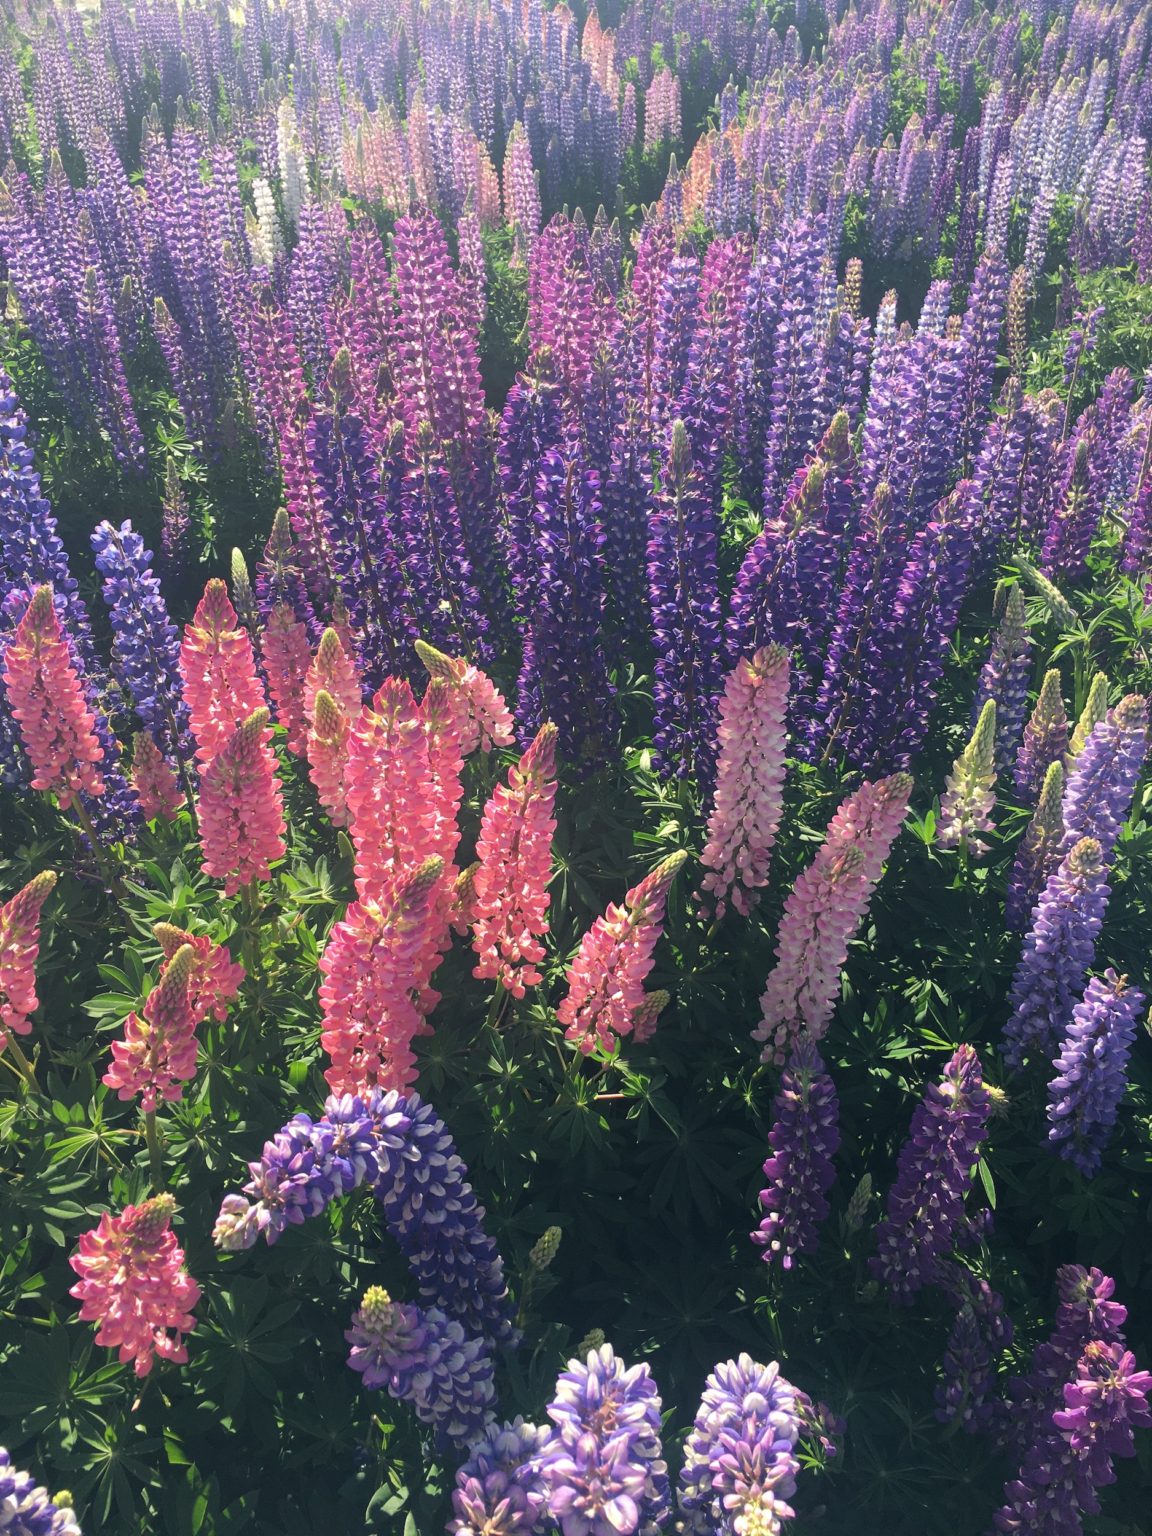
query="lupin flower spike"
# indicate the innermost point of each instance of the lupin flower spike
(19, 950)
(968, 801)
(218, 666)
(241, 808)
(287, 658)
(328, 755)
(1039, 850)
(749, 780)
(157, 1055)
(1045, 739)
(334, 671)
(646, 1015)
(216, 978)
(483, 717)
(606, 979)
(800, 1171)
(156, 786)
(1092, 1071)
(134, 1284)
(497, 1492)
(47, 701)
(510, 885)
(1004, 677)
(1058, 605)
(1095, 709)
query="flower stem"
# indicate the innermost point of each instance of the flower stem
(155, 1151)
(499, 998)
(27, 1070)
(111, 878)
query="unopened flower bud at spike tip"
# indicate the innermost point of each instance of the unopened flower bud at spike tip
(545, 1248)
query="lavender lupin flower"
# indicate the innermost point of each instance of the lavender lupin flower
(980, 1332)
(804, 1140)
(926, 1203)
(1100, 789)
(1045, 739)
(1091, 1071)
(426, 1359)
(602, 1473)
(1005, 675)
(739, 1461)
(497, 1493)
(26, 1509)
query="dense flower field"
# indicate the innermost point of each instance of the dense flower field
(575, 652)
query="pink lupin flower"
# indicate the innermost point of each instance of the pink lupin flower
(19, 951)
(218, 667)
(823, 912)
(287, 659)
(157, 1055)
(242, 808)
(515, 865)
(371, 967)
(484, 719)
(749, 778)
(646, 1014)
(134, 1284)
(391, 815)
(328, 756)
(47, 701)
(606, 979)
(333, 670)
(216, 978)
(155, 784)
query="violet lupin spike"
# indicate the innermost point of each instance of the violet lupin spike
(1005, 675)
(1103, 782)
(1039, 850)
(1091, 1071)
(800, 1171)
(1045, 739)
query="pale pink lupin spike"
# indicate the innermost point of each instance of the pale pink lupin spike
(156, 786)
(157, 1055)
(287, 658)
(241, 807)
(218, 667)
(484, 719)
(328, 756)
(333, 670)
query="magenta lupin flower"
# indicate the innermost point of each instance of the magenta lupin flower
(606, 979)
(241, 807)
(749, 778)
(134, 1284)
(510, 883)
(800, 1172)
(823, 912)
(47, 701)
(19, 951)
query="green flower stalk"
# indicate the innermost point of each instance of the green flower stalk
(1058, 605)
(545, 1249)
(967, 803)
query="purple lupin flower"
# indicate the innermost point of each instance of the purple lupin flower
(1004, 678)
(497, 1492)
(1045, 739)
(1058, 952)
(740, 1464)
(280, 578)
(426, 1359)
(1101, 786)
(683, 583)
(602, 1472)
(1091, 1070)
(26, 1509)
(804, 1140)
(980, 1332)
(926, 1203)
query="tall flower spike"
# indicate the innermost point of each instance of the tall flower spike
(606, 979)
(134, 1284)
(602, 1473)
(1092, 1071)
(1039, 851)
(216, 978)
(926, 1203)
(800, 1172)
(27, 1510)
(1095, 709)
(157, 1055)
(823, 912)
(497, 1493)
(980, 1332)
(391, 813)
(968, 801)
(155, 784)
(333, 669)
(371, 969)
(47, 701)
(749, 780)
(241, 807)
(510, 884)
(219, 670)
(426, 1359)
(1005, 675)
(482, 715)
(19, 951)
(328, 756)
(1103, 780)
(1045, 739)
(284, 646)
(1058, 952)
(740, 1460)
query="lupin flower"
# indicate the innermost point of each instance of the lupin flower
(328, 756)
(606, 979)
(47, 700)
(510, 884)
(1039, 850)
(426, 1359)
(155, 784)
(218, 666)
(241, 807)
(1058, 952)
(333, 669)
(26, 1509)
(483, 718)
(980, 1332)
(747, 803)
(823, 911)
(646, 1014)
(157, 1055)
(497, 1493)
(387, 784)
(1005, 675)
(19, 951)
(1103, 780)
(740, 1460)
(1045, 739)
(968, 801)
(287, 659)
(602, 1472)
(1095, 709)
(800, 1172)
(370, 969)
(134, 1284)
(1091, 1071)
(926, 1203)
